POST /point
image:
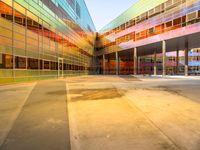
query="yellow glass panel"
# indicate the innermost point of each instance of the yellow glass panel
(19, 29)
(5, 23)
(19, 8)
(32, 16)
(9, 2)
(5, 32)
(19, 37)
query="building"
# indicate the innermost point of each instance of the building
(41, 39)
(156, 37)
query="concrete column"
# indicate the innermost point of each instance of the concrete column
(135, 61)
(138, 65)
(186, 56)
(186, 62)
(164, 57)
(117, 63)
(177, 61)
(104, 65)
(108, 65)
(155, 64)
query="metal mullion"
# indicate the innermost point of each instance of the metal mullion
(38, 45)
(42, 45)
(13, 53)
(26, 39)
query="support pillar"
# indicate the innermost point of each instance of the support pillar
(186, 57)
(164, 57)
(108, 65)
(186, 62)
(104, 65)
(155, 64)
(135, 61)
(177, 62)
(138, 65)
(117, 63)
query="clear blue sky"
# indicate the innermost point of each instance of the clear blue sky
(103, 11)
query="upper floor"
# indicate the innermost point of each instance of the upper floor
(157, 21)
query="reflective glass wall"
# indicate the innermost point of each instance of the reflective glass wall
(177, 22)
(39, 39)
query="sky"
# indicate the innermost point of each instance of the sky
(104, 11)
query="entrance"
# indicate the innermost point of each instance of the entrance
(60, 67)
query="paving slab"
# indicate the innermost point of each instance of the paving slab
(12, 99)
(102, 119)
(175, 115)
(43, 122)
(101, 113)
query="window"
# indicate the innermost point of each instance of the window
(177, 23)
(133, 36)
(143, 17)
(32, 23)
(6, 61)
(137, 36)
(159, 29)
(137, 20)
(1, 61)
(122, 26)
(151, 13)
(199, 14)
(151, 31)
(19, 18)
(184, 21)
(143, 34)
(20, 62)
(132, 22)
(54, 66)
(33, 63)
(176, 2)
(71, 3)
(158, 9)
(41, 64)
(127, 24)
(78, 10)
(168, 3)
(191, 16)
(168, 25)
(46, 64)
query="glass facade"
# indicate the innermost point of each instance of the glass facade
(41, 39)
(143, 30)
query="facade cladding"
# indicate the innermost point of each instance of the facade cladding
(152, 37)
(41, 39)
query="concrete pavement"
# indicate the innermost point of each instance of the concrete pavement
(101, 113)
(122, 113)
(42, 123)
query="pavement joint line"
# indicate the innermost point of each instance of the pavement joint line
(67, 112)
(17, 114)
(71, 120)
(132, 104)
(67, 100)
